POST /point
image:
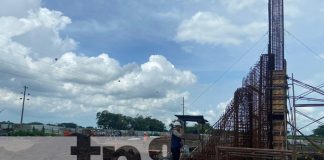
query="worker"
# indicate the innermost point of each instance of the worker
(176, 143)
(145, 138)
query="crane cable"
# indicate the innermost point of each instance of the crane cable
(229, 68)
(306, 46)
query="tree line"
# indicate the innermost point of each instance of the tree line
(319, 131)
(108, 120)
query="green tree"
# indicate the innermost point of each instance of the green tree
(140, 123)
(148, 124)
(319, 131)
(107, 120)
(68, 125)
(197, 128)
(35, 123)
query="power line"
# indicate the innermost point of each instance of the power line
(317, 120)
(304, 44)
(2, 110)
(313, 119)
(228, 69)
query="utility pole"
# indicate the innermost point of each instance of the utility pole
(23, 104)
(183, 105)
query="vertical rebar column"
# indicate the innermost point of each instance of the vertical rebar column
(277, 75)
(276, 32)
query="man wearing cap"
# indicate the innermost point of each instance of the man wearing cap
(176, 136)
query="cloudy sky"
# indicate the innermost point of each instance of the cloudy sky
(141, 57)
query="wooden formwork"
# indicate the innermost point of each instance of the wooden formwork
(279, 101)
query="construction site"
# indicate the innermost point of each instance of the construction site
(260, 122)
(256, 123)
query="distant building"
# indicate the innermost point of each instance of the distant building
(6, 125)
(49, 129)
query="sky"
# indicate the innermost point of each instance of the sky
(141, 57)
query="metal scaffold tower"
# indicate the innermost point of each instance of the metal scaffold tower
(254, 122)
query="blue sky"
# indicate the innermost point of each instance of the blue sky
(193, 44)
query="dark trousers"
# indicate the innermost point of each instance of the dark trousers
(175, 153)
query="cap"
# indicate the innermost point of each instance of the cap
(177, 123)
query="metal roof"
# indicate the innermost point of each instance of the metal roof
(197, 118)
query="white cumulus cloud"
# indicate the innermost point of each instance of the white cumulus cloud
(64, 83)
(18, 8)
(237, 5)
(210, 28)
(322, 56)
(38, 31)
